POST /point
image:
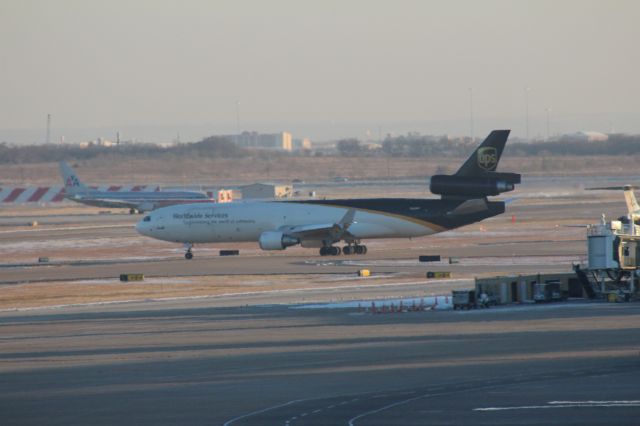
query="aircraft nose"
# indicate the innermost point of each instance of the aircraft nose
(143, 227)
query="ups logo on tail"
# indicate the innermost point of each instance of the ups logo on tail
(487, 158)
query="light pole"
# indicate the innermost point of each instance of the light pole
(548, 110)
(238, 116)
(471, 113)
(237, 122)
(526, 109)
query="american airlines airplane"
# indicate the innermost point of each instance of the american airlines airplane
(276, 225)
(135, 201)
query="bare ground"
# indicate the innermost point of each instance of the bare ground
(206, 171)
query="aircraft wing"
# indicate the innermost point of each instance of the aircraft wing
(326, 231)
(111, 203)
(118, 203)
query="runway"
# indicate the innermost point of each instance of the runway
(221, 341)
(190, 363)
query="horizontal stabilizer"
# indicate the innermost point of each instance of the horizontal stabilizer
(475, 205)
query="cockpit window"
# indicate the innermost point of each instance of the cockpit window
(147, 219)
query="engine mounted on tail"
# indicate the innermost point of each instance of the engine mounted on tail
(473, 187)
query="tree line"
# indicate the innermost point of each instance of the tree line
(211, 147)
(410, 145)
(413, 145)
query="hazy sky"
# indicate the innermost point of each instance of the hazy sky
(322, 69)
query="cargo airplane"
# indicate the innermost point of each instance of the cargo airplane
(276, 225)
(135, 201)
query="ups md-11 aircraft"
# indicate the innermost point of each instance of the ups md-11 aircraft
(135, 201)
(276, 225)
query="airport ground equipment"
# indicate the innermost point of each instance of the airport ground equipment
(429, 258)
(547, 292)
(614, 250)
(522, 288)
(463, 299)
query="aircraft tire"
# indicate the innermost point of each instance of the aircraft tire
(346, 250)
(188, 255)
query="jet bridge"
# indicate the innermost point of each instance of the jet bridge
(613, 256)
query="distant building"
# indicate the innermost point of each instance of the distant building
(584, 137)
(98, 142)
(278, 141)
(302, 144)
(266, 190)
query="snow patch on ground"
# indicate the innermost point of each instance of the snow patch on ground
(432, 302)
(146, 281)
(50, 245)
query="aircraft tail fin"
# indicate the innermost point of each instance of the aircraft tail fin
(629, 197)
(486, 157)
(72, 184)
(477, 177)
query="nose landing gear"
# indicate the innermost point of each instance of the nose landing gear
(188, 255)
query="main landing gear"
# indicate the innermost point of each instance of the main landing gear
(330, 251)
(354, 249)
(188, 255)
(346, 250)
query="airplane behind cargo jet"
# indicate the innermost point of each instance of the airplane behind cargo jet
(135, 201)
(276, 225)
(633, 208)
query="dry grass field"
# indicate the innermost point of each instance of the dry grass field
(207, 171)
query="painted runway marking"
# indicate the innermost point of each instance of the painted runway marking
(264, 410)
(386, 407)
(565, 404)
(69, 228)
(594, 402)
